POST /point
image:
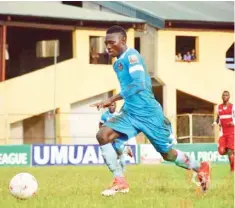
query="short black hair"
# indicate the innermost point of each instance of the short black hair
(117, 29)
(226, 91)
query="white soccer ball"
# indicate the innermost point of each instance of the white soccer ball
(23, 186)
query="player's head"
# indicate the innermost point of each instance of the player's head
(225, 96)
(115, 40)
(112, 108)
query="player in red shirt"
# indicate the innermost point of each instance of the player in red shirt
(226, 120)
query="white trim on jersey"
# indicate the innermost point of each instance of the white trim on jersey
(233, 114)
(136, 68)
(225, 116)
(101, 121)
(122, 56)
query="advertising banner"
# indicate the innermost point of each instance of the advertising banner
(148, 155)
(201, 152)
(15, 155)
(43, 155)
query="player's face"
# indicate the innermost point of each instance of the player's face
(115, 44)
(225, 97)
(112, 108)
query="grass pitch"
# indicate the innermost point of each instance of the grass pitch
(151, 186)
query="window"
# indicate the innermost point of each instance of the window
(98, 54)
(137, 44)
(47, 48)
(186, 49)
(230, 58)
(73, 3)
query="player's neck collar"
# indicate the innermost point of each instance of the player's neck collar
(111, 113)
(123, 54)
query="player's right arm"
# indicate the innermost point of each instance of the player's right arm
(217, 121)
(137, 74)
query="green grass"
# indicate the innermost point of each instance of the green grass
(153, 186)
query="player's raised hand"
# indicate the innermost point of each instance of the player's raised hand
(98, 105)
(214, 124)
(102, 104)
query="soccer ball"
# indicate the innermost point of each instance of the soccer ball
(23, 186)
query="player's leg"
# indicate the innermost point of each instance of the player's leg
(114, 128)
(105, 136)
(119, 146)
(159, 134)
(128, 149)
(230, 150)
(222, 149)
(225, 147)
(182, 160)
(231, 159)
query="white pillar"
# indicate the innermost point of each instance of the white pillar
(63, 135)
(170, 105)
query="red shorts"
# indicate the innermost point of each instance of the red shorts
(227, 141)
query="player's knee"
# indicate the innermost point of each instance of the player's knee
(102, 137)
(222, 150)
(170, 155)
(231, 156)
(105, 136)
(230, 152)
(164, 156)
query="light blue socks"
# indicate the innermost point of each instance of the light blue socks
(111, 159)
(122, 162)
(184, 161)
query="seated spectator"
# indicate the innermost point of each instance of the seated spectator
(193, 55)
(187, 56)
(105, 58)
(178, 57)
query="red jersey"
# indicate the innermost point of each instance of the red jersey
(226, 116)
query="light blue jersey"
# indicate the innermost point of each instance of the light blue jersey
(106, 116)
(135, 82)
(140, 112)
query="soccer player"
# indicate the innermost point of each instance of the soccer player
(140, 113)
(226, 120)
(119, 143)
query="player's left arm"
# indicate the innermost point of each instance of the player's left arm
(233, 117)
(233, 114)
(232, 123)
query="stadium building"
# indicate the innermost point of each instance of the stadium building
(53, 65)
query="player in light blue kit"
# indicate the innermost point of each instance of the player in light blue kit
(140, 113)
(119, 143)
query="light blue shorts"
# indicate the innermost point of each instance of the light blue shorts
(119, 144)
(155, 127)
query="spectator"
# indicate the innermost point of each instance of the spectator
(193, 55)
(7, 57)
(178, 57)
(187, 57)
(94, 56)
